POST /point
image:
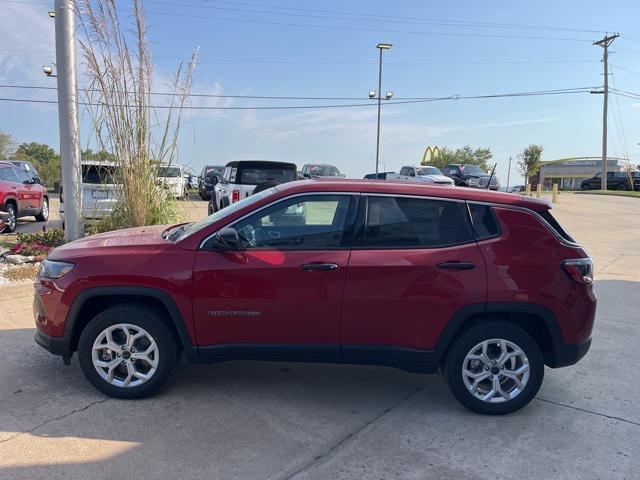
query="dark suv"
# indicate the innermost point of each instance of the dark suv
(615, 181)
(471, 176)
(207, 180)
(485, 286)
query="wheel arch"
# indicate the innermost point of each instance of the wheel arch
(92, 301)
(537, 320)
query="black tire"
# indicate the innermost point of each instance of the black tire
(204, 195)
(224, 202)
(139, 316)
(465, 342)
(12, 220)
(211, 207)
(43, 216)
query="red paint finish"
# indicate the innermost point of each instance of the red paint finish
(133, 257)
(266, 297)
(28, 198)
(525, 265)
(401, 297)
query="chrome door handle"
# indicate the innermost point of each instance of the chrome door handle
(327, 267)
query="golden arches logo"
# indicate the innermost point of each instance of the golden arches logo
(430, 155)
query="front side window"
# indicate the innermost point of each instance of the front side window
(313, 222)
(21, 176)
(406, 222)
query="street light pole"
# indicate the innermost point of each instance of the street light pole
(381, 47)
(68, 117)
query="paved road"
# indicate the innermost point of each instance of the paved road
(247, 420)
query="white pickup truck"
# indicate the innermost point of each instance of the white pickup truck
(422, 173)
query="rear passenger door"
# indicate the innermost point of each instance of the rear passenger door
(413, 265)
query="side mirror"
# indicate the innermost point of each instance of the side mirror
(212, 179)
(227, 238)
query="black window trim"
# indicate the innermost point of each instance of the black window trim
(361, 222)
(350, 223)
(538, 217)
(495, 218)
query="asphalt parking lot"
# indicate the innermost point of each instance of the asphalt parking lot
(247, 420)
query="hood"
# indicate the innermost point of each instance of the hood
(437, 178)
(131, 237)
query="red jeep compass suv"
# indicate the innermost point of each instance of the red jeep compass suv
(484, 285)
(21, 196)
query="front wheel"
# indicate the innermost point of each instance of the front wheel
(494, 368)
(127, 351)
(12, 219)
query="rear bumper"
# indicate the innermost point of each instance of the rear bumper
(565, 354)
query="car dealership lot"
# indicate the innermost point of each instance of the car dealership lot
(275, 420)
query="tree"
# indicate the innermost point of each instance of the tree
(530, 161)
(43, 157)
(7, 145)
(100, 156)
(466, 155)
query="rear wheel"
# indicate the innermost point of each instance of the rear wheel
(127, 351)
(43, 216)
(494, 368)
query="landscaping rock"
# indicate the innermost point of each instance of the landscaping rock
(17, 259)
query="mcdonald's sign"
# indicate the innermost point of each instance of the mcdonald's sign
(430, 155)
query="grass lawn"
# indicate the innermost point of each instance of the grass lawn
(619, 193)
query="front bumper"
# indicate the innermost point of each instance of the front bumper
(565, 354)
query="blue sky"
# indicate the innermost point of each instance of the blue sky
(246, 48)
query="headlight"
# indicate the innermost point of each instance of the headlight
(54, 269)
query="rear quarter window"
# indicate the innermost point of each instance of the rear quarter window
(546, 215)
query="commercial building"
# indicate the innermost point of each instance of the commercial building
(568, 173)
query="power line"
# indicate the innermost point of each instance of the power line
(271, 97)
(361, 29)
(297, 107)
(360, 15)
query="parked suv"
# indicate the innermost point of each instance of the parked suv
(615, 181)
(471, 176)
(21, 196)
(207, 180)
(486, 286)
(241, 178)
(101, 181)
(320, 170)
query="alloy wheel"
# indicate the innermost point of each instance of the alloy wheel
(125, 355)
(495, 370)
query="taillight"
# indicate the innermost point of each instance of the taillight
(580, 270)
(235, 196)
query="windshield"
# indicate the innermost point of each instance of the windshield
(191, 228)
(99, 174)
(472, 169)
(428, 171)
(257, 175)
(325, 171)
(170, 172)
(216, 170)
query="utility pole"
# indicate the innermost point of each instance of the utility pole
(381, 47)
(604, 43)
(508, 174)
(68, 117)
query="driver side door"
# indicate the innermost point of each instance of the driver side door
(280, 292)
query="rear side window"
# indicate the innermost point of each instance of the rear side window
(546, 214)
(405, 222)
(485, 224)
(257, 175)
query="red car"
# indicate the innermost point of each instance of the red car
(20, 196)
(486, 286)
